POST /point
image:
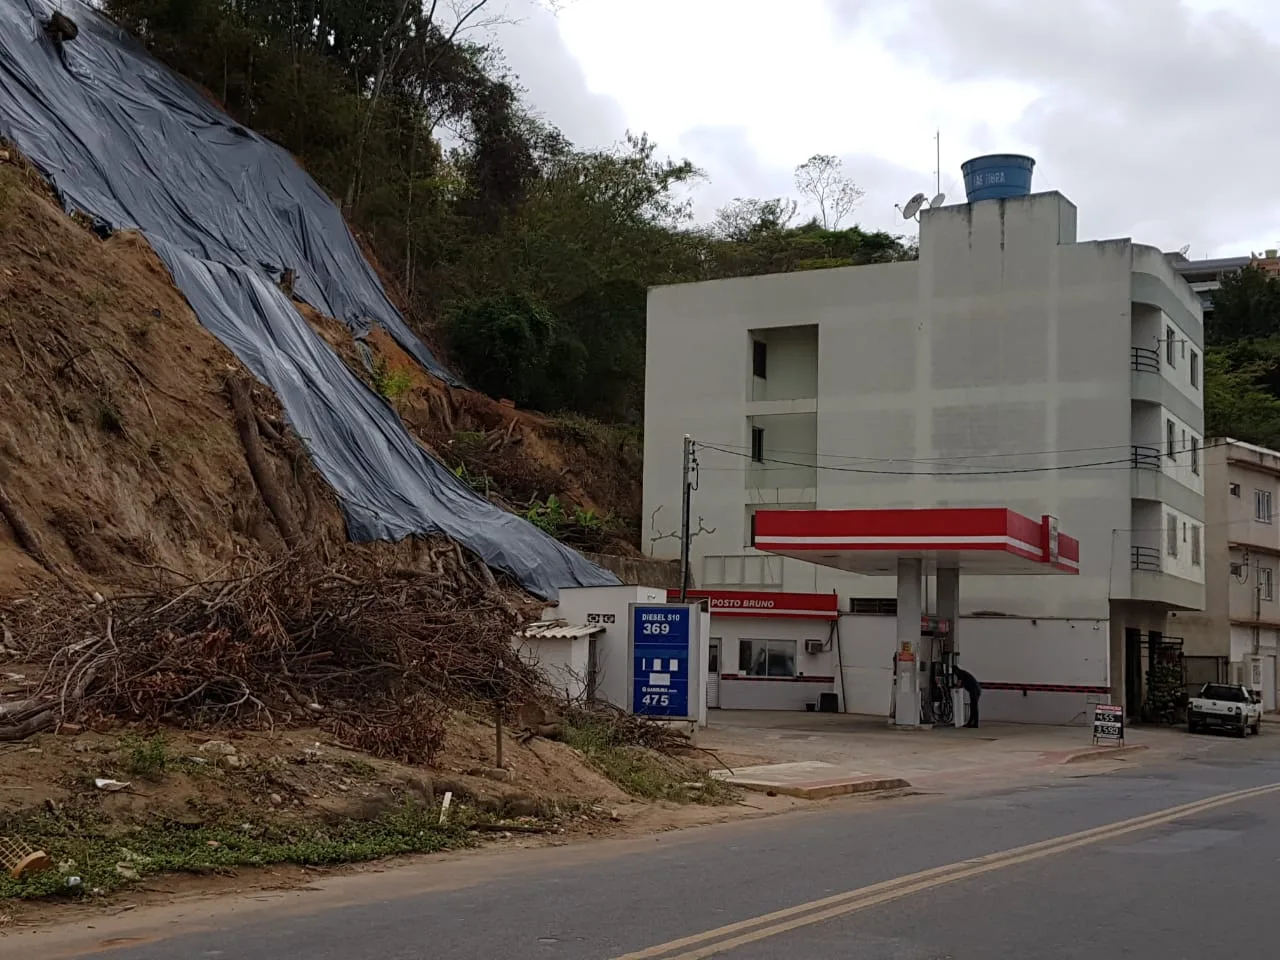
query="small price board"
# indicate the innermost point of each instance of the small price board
(1108, 723)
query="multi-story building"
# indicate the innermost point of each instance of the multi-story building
(1205, 276)
(1237, 637)
(1011, 365)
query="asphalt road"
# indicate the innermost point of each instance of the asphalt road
(1191, 883)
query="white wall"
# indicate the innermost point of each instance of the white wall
(1181, 531)
(815, 672)
(791, 365)
(1179, 466)
(576, 605)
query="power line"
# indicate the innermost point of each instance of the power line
(1127, 462)
(1162, 448)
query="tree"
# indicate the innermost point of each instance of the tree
(503, 343)
(1246, 307)
(821, 179)
(743, 220)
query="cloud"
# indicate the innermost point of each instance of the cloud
(1148, 113)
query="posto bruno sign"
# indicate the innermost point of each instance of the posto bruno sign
(761, 604)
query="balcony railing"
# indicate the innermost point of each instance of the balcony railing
(1145, 558)
(1146, 458)
(1144, 359)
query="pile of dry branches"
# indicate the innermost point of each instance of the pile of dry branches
(377, 655)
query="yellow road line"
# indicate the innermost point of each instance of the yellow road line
(723, 938)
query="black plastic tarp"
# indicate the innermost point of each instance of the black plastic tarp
(129, 143)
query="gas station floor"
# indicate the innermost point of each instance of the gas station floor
(819, 755)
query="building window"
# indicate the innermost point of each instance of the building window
(1195, 456)
(1195, 546)
(1262, 506)
(1168, 346)
(874, 606)
(759, 359)
(1265, 583)
(767, 658)
(1195, 369)
(1171, 535)
(757, 444)
(1171, 440)
(1234, 489)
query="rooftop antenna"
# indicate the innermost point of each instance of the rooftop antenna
(937, 170)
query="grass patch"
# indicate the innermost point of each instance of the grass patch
(83, 846)
(641, 772)
(147, 757)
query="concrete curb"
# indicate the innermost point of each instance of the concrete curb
(1101, 753)
(821, 790)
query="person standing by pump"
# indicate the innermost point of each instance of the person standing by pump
(974, 689)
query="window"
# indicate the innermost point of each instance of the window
(874, 606)
(767, 658)
(759, 359)
(1265, 583)
(1168, 346)
(757, 444)
(1195, 369)
(1171, 440)
(1171, 535)
(1234, 489)
(1195, 546)
(1195, 456)
(1262, 506)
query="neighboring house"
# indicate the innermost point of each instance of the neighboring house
(1064, 377)
(1237, 637)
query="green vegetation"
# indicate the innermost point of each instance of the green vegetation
(85, 846)
(1242, 359)
(146, 757)
(531, 257)
(641, 772)
(389, 382)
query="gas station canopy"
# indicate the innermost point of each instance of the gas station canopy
(980, 541)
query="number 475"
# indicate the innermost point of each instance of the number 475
(656, 700)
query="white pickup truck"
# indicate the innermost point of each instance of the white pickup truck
(1226, 705)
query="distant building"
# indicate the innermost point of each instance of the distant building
(1063, 376)
(1205, 276)
(1237, 637)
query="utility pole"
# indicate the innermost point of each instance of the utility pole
(686, 503)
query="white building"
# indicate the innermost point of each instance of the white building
(1063, 377)
(1237, 637)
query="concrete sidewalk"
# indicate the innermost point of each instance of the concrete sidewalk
(821, 755)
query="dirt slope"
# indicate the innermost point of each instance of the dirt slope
(117, 446)
(119, 453)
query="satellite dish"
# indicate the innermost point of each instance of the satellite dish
(938, 201)
(1184, 248)
(913, 206)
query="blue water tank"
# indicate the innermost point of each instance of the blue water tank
(997, 175)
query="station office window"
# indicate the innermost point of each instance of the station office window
(767, 658)
(759, 359)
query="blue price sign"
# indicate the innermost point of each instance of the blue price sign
(661, 661)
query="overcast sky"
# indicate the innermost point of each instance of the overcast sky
(1156, 117)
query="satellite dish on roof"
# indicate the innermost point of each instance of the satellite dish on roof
(913, 206)
(1184, 248)
(938, 200)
